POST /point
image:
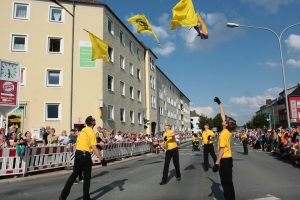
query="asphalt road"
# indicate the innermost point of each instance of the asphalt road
(258, 175)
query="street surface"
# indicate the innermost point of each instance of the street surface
(259, 176)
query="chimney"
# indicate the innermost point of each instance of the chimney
(268, 101)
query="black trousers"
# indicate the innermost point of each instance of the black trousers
(175, 155)
(225, 172)
(209, 148)
(245, 145)
(83, 162)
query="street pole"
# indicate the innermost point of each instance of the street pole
(232, 25)
(72, 66)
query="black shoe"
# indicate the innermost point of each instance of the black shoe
(179, 179)
(162, 183)
(60, 198)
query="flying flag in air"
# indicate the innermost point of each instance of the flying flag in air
(201, 28)
(183, 14)
(99, 47)
(142, 24)
(56, 1)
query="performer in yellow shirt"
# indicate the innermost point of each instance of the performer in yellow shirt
(245, 142)
(224, 159)
(171, 152)
(207, 137)
(86, 143)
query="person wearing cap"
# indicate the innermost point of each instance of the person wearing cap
(208, 143)
(85, 145)
(245, 142)
(224, 161)
(171, 152)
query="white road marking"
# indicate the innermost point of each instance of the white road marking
(268, 197)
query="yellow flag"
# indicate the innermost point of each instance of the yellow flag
(56, 1)
(99, 48)
(201, 24)
(142, 24)
(183, 14)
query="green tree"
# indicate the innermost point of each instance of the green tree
(204, 120)
(217, 121)
(259, 121)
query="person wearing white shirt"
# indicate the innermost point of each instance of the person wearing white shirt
(118, 137)
(63, 138)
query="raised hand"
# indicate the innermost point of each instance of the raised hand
(217, 100)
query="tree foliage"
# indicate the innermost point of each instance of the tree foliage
(204, 120)
(257, 121)
(217, 121)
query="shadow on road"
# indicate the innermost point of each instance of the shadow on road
(100, 174)
(121, 168)
(155, 162)
(107, 188)
(216, 191)
(172, 174)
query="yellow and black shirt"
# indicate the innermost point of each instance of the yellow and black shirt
(244, 136)
(86, 140)
(224, 142)
(171, 142)
(205, 135)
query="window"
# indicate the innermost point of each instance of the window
(122, 115)
(138, 73)
(131, 68)
(151, 81)
(122, 37)
(138, 53)
(54, 78)
(122, 88)
(110, 26)
(21, 11)
(23, 76)
(55, 45)
(139, 116)
(131, 115)
(110, 112)
(130, 46)
(110, 83)
(52, 111)
(153, 102)
(19, 42)
(139, 96)
(122, 62)
(131, 92)
(110, 54)
(56, 14)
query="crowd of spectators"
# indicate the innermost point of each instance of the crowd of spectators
(18, 140)
(284, 142)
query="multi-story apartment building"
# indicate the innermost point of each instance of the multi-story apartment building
(60, 85)
(173, 105)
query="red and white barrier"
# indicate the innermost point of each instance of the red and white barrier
(11, 163)
(43, 158)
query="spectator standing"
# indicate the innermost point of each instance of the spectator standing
(99, 131)
(224, 159)
(45, 135)
(73, 136)
(118, 137)
(12, 129)
(63, 138)
(3, 143)
(171, 152)
(20, 144)
(52, 138)
(294, 135)
(29, 140)
(86, 144)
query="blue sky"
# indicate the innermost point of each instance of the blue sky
(239, 65)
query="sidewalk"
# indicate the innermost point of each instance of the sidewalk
(61, 172)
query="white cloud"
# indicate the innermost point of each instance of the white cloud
(166, 49)
(206, 111)
(218, 32)
(293, 42)
(258, 100)
(293, 63)
(271, 5)
(270, 64)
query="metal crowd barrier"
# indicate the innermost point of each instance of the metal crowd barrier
(50, 157)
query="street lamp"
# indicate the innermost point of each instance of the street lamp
(233, 25)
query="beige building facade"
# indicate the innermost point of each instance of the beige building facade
(119, 93)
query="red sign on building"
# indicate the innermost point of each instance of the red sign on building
(8, 93)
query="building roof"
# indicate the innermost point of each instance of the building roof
(296, 92)
(194, 114)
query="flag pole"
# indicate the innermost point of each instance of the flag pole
(72, 66)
